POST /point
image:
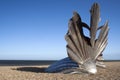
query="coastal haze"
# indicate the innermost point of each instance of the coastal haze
(35, 29)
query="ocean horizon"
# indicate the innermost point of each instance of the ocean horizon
(25, 62)
(33, 62)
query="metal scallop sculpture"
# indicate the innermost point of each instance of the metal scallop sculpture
(83, 52)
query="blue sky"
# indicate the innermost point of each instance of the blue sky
(35, 29)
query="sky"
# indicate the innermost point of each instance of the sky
(35, 29)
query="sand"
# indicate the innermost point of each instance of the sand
(112, 72)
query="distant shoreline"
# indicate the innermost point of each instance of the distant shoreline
(34, 62)
(111, 60)
(25, 62)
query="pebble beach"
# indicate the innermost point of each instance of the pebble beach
(112, 72)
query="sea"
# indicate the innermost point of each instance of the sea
(25, 62)
(34, 62)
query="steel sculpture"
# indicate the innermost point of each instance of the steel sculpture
(84, 53)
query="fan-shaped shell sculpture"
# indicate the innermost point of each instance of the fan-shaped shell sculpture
(83, 51)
